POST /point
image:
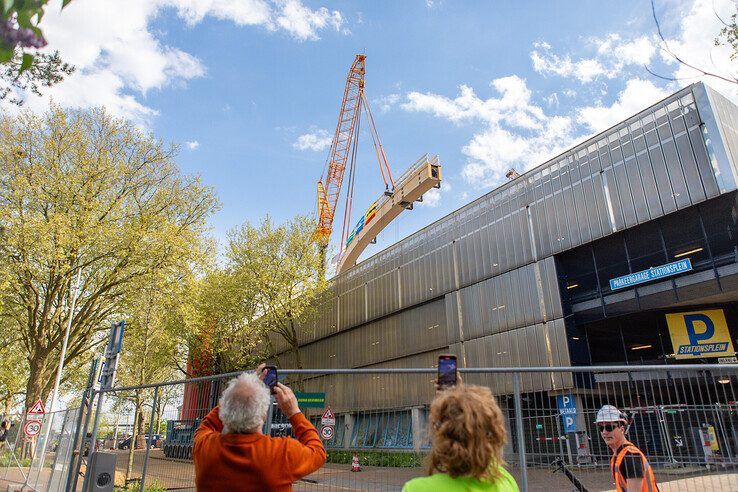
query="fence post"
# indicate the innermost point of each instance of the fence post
(519, 429)
(150, 439)
(93, 438)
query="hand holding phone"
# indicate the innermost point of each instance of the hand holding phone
(446, 371)
(270, 377)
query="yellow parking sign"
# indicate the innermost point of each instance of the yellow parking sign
(699, 334)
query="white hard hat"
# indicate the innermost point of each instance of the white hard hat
(609, 413)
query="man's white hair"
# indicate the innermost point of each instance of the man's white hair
(244, 404)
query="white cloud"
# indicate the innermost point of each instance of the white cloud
(611, 56)
(552, 100)
(385, 103)
(637, 95)
(304, 23)
(193, 145)
(432, 197)
(119, 57)
(514, 132)
(317, 140)
(694, 44)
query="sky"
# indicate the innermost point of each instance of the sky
(251, 89)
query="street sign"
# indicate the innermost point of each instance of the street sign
(328, 417)
(37, 408)
(653, 273)
(568, 410)
(110, 365)
(326, 432)
(310, 400)
(32, 428)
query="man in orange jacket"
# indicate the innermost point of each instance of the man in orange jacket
(231, 452)
(629, 467)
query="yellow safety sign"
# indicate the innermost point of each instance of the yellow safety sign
(700, 334)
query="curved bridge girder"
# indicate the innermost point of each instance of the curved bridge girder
(421, 177)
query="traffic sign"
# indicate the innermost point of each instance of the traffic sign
(37, 408)
(568, 410)
(32, 428)
(326, 432)
(328, 417)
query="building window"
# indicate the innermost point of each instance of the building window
(383, 430)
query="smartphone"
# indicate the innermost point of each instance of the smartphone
(271, 377)
(446, 370)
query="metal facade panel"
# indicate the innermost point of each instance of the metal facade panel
(716, 113)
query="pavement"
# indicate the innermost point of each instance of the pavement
(179, 475)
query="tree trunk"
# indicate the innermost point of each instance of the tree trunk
(37, 378)
(300, 384)
(132, 445)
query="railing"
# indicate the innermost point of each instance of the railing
(683, 417)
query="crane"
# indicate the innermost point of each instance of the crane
(342, 155)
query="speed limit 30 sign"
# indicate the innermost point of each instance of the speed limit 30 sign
(326, 432)
(32, 428)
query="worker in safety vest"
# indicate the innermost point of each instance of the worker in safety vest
(628, 465)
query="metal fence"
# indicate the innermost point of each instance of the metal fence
(39, 462)
(684, 418)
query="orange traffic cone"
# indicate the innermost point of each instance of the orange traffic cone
(355, 466)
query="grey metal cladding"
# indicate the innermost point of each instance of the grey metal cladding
(719, 119)
(614, 180)
(536, 345)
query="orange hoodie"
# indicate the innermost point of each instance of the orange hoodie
(254, 462)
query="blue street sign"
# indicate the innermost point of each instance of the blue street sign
(653, 273)
(568, 409)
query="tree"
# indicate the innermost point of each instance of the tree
(23, 67)
(85, 190)
(279, 269)
(223, 336)
(150, 346)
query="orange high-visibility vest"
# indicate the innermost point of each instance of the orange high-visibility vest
(621, 484)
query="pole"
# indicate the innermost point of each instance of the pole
(519, 429)
(57, 382)
(83, 419)
(93, 439)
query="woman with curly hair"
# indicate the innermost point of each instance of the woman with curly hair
(467, 436)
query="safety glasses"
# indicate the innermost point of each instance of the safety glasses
(608, 427)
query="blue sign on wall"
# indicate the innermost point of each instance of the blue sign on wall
(652, 273)
(568, 409)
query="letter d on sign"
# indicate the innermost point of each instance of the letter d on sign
(694, 337)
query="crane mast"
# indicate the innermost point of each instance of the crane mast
(329, 185)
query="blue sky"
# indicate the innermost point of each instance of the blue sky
(251, 89)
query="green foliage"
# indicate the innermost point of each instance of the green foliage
(378, 458)
(280, 268)
(17, 75)
(729, 37)
(85, 190)
(7, 459)
(23, 67)
(155, 486)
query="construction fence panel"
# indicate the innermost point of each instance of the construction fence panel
(38, 449)
(684, 419)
